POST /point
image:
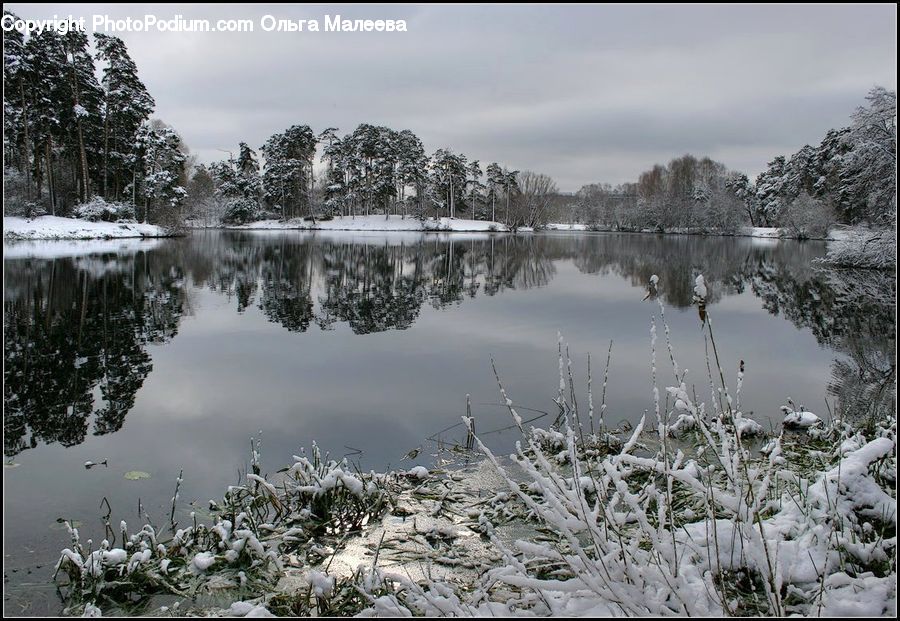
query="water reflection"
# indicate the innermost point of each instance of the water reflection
(75, 342)
(77, 328)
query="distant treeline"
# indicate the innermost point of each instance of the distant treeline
(372, 170)
(848, 178)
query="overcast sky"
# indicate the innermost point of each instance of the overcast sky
(583, 93)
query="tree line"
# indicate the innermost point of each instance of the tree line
(79, 140)
(371, 170)
(848, 178)
(70, 137)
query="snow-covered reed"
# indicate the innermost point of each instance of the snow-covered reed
(807, 525)
(255, 527)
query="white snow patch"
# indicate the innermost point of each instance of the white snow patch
(419, 472)
(800, 419)
(53, 227)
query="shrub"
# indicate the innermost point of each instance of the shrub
(865, 249)
(16, 201)
(241, 211)
(97, 209)
(807, 218)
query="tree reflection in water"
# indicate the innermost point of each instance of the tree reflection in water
(77, 329)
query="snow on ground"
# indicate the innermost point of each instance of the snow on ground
(378, 223)
(53, 227)
(759, 232)
(766, 232)
(54, 249)
(398, 223)
(563, 226)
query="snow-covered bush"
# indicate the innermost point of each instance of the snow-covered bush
(241, 211)
(254, 527)
(864, 248)
(18, 199)
(97, 209)
(807, 218)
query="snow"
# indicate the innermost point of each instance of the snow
(55, 249)
(248, 609)
(419, 472)
(561, 226)
(53, 227)
(202, 561)
(91, 611)
(800, 419)
(700, 288)
(321, 584)
(766, 232)
(377, 223)
(758, 232)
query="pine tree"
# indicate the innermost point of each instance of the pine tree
(82, 119)
(495, 187)
(475, 193)
(16, 73)
(447, 181)
(160, 160)
(288, 170)
(46, 91)
(411, 166)
(126, 105)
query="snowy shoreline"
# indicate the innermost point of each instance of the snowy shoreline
(377, 223)
(759, 232)
(56, 228)
(381, 223)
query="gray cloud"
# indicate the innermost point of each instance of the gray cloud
(584, 93)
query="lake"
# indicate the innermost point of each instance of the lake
(168, 355)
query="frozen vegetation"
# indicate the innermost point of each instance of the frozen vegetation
(864, 248)
(695, 511)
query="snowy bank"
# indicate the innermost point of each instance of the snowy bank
(53, 227)
(862, 248)
(377, 223)
(760, 232)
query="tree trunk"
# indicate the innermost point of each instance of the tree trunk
(26, 147)
(106, 151)
(85, 194)
(51, 190)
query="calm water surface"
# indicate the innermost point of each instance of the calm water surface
(160, 356)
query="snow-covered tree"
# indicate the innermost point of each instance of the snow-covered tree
(287, 172)
(126, 105)
(159, 172)
(871, 164)
(447, 182)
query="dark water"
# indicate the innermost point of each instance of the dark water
(170, 355)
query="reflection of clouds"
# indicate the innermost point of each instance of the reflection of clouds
(294, 332)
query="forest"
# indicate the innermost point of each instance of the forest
(80, 140)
